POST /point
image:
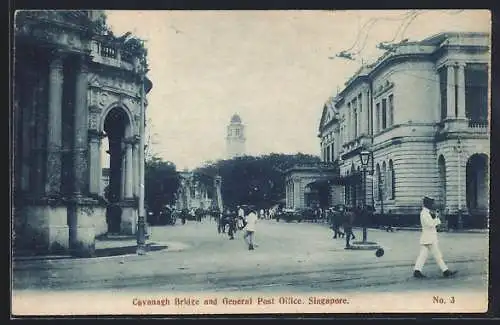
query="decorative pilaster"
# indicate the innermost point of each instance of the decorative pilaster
(95, 171)
(367, 117)
(136, 158)
(461, 89)
(450, 92)
(80, 141)
(54, 125)
(129, 172)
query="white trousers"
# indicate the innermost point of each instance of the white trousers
(424, 252)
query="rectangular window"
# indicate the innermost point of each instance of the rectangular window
(377, 118)
(391, 110)
(355, 114)
(443, 79)
(476, 93)
(333, 151)
(360, 114)
(237, 132)
(384, 113)
(327, 153)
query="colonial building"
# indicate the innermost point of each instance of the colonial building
(421, 111)
(74, 85)
(235, 139)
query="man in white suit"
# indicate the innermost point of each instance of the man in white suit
(429, 241)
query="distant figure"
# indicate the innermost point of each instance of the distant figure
(336, 217)
(251, 221)
(348, 220)
(429, 240)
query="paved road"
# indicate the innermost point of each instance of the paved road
(290, 257)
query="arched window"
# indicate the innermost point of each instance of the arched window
(383, 177)
(392, 181)
(379, 181)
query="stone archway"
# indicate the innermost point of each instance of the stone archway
(477, 185)
(117, 129)
(442, 182)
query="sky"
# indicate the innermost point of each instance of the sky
(276, 69)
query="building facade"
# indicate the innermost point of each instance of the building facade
(235, 139)
(422, 110)
(74, 85)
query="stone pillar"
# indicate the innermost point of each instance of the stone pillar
(461, 89)
(54, 126)
(80, 140)
(95, 162)
(136, 158)
(450, 92)
(367, 117)
(26, 108)
(348, 124)
(129, 173)
(123, 171)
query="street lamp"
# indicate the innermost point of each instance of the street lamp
(364, 156)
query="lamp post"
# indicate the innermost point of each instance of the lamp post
(364, 156)
(141, 222)
(458, 149)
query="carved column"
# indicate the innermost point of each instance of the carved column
(54, 126)
(80, 140)
(367, 117)
(461, 89)
(450, 92)
(129, 173)
(123, 169)
(95, 169)
(136, 158)
(26, 109)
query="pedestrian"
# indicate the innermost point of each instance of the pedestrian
(335, 220)
(251, 220)
(429, 240)
(349, 216)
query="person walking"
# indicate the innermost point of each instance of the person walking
(251, 220)
(429, 241)
(349, 216)
(336, 220)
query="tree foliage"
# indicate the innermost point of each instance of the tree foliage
(252, 180)
(161, 183)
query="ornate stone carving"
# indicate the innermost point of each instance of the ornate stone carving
(103, 99)
(93, 121)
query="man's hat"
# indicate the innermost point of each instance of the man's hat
(428, 201)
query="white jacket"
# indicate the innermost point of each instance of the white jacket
(429, 231)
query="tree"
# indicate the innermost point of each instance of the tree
(161, 183)
(252, 180)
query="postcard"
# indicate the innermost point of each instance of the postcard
(220, 162)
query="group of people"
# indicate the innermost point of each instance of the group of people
(233, 221)
(343, 216)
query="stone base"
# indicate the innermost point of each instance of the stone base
(128, 224)
(86, 219)
(100, 224)
(42, 229)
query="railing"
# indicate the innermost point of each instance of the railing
(110, 55)
(108, 52)
(478, 124)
